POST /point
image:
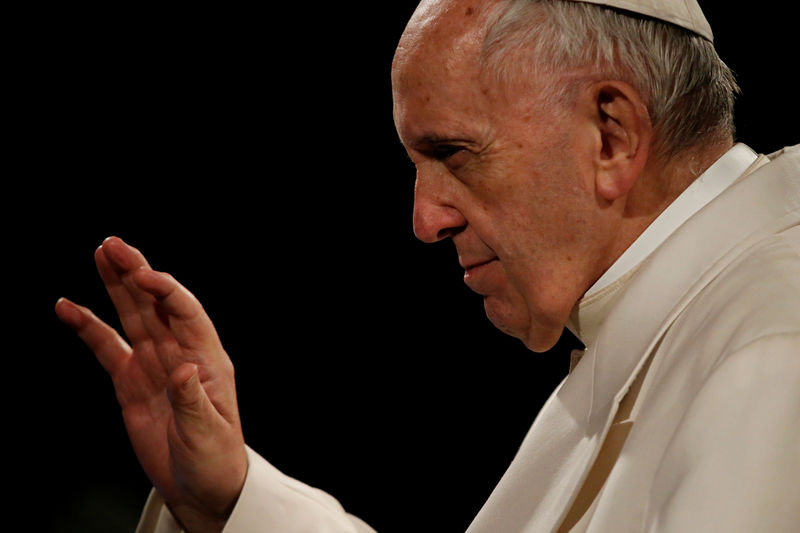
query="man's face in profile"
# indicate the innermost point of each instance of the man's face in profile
(498, 171)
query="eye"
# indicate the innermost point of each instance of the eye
(453, 156)
(443, 152)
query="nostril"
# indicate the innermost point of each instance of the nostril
(444, 233)
(435, 220)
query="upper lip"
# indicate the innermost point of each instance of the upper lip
(472, 263)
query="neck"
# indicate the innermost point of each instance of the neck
(660, 183)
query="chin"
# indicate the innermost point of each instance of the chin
(541, 341)
(537, 336)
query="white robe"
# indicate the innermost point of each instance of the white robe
(715, 441)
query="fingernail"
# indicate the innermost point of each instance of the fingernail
(115, 249)
(69, 313)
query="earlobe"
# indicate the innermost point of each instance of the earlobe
(624, 132)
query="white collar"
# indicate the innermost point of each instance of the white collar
(705, 188)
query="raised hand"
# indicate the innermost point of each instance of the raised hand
(174, 383)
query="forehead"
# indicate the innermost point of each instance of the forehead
(446, 24)
(431, 119)
(437, 80)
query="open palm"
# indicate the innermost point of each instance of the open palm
(174, 383)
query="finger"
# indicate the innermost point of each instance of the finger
(195, 416)
(123, 256)
(109, 348)
(188, 321)
(141, 313)
(124, 302)
(194, 331)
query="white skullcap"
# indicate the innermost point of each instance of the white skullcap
(684, 13)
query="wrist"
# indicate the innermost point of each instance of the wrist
(195, 521)
(207, 511)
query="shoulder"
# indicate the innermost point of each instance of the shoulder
(791, 152)
(731, 365)
(757, 295)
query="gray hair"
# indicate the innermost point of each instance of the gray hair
(688, 90)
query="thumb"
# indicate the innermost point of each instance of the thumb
(192, 410)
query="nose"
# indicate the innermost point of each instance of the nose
(434, 217)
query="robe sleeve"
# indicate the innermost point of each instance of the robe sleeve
(269, 502)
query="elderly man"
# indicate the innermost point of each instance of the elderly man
(581, 159)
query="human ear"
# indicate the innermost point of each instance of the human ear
(623, 131)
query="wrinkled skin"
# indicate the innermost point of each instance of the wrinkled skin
(174, 383)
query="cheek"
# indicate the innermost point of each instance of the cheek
(520, 210)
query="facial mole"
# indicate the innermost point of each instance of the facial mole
(469, 12)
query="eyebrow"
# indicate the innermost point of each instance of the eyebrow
(433, 138)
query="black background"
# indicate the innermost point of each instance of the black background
(252, 154)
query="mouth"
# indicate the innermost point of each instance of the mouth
(473, 266)
(473, 271)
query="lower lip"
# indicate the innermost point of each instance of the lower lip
(472, 272)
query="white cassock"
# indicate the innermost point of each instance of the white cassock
(683, 414)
